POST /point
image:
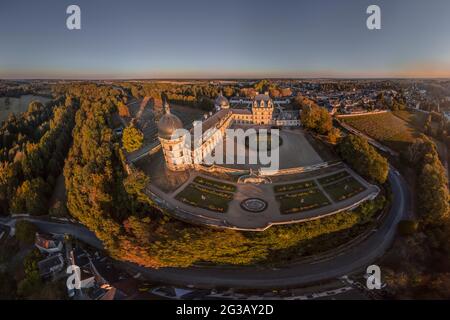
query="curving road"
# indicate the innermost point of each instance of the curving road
(356, 258)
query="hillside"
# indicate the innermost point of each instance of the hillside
(386, 128)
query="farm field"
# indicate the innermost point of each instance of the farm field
(386, 128)
(414, 118)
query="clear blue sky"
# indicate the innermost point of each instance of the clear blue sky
(245, 38)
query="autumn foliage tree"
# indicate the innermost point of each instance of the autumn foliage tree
(364, 158)
(432, 183)
(31, 197)
(334, 135)
(36, 154)
(123, 109)
(132, 138)
(317, 119)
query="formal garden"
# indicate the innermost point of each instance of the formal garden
(295, 186)
(344, 189)
(215, 184)
(296, 202)
(207, 194)
(306, 195)
(332, 178)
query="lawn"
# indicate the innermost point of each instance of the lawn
(215, 184)
(302, 201)
(344, 189)
(205, 198)
(386, 128)
(295, 186)
(333, 177)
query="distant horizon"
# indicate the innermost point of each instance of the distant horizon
(225, 79)
(197, 39)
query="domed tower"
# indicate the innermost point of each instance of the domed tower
(262, 109)
(221, 102)
(171, 144)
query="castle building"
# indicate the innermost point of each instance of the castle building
(262, 109)
(221, 103)
(172, 147)
(180, 155)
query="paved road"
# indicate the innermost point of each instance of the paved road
(44, 224)
(357, 258)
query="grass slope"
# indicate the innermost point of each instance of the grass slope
(386, 128)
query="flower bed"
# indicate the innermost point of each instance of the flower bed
(344, 189)
(197, 196)
(333, 177)
(295, 186)
(302, 201)
(215, 184)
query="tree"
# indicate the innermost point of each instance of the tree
(140, 228)
(418, 149)
(123, 109)
(25, 231)
(316, 118)
(32, 286)
(32, 283)
(134, 185)
(31, 197)
(132, 139)
(432, 193)
(35, 106)
(428, 125)
(228, 91)
(8, 182)
(381, 100)
(334, 135)
(398, 104)
(432, 183)
(364, 158)
(262, 85)
(286, 92)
